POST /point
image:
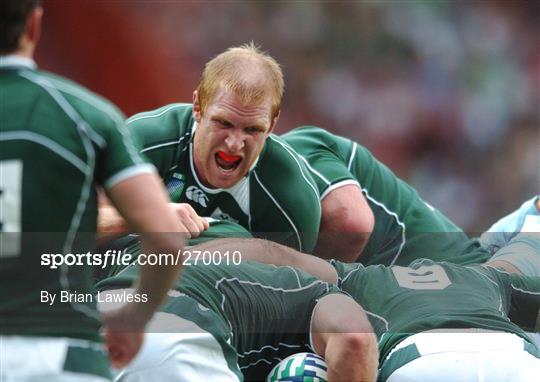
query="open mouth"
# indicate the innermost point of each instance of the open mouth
(227, 162)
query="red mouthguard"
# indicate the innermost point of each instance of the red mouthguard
(228, 158)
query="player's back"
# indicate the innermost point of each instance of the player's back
(51, 138)
(406, 227)
(42, 149)
(266, 308)
(402, 301)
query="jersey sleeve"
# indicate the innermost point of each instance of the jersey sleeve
(331, 173)
(525, 302)
(162, 134)
(525, 219)
(120, 158)
(324, 154)
(107, 143)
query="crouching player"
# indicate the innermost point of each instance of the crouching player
(369, 215)
(430, 317)
(235, 322)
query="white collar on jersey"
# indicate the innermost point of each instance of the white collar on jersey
(240, 191)
(214, 190)
(11, 60)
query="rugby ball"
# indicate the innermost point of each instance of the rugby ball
(301, 367)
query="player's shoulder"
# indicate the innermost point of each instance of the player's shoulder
(309, 132)
(170, 113)
(283, 171)
(91, 106)
(313, 141)
(315, 135)
(279, 156)
(168, 122)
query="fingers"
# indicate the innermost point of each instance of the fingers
(193, 223)
(205, 223)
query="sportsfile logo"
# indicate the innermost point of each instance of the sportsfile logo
(197, 195)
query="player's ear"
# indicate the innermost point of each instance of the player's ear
(196, 107)
(32, 28)
(274, 122)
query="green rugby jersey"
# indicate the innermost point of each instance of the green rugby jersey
(277, 200)
(266, 308)
(57, 141)
(402, 301)
(406, 227)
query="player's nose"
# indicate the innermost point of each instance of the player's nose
(234, 142)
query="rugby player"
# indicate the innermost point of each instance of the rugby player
(219, 154)
(430, 317)
(369, 215)
(232, 322)
(58, 141)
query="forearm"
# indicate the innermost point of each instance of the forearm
(143, 202)
(346, 224)
(110, 223)
(315, 266)
(342, 332)
(268, 252)
(352, 357)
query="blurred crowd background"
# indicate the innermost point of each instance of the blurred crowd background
(446, 93)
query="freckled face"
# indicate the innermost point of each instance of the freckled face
(229, 138)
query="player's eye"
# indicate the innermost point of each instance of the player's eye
(253, 130)
(222, 123)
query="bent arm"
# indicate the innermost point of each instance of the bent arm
(269, 252)
(346, 224)
(142, 201)
(342, 333)
(112, 223)
(109, 222)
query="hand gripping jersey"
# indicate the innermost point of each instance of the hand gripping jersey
(406, 227)
(403, 301)
(277, 200)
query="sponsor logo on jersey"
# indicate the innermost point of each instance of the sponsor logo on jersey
(197, 195)
(220, 215)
